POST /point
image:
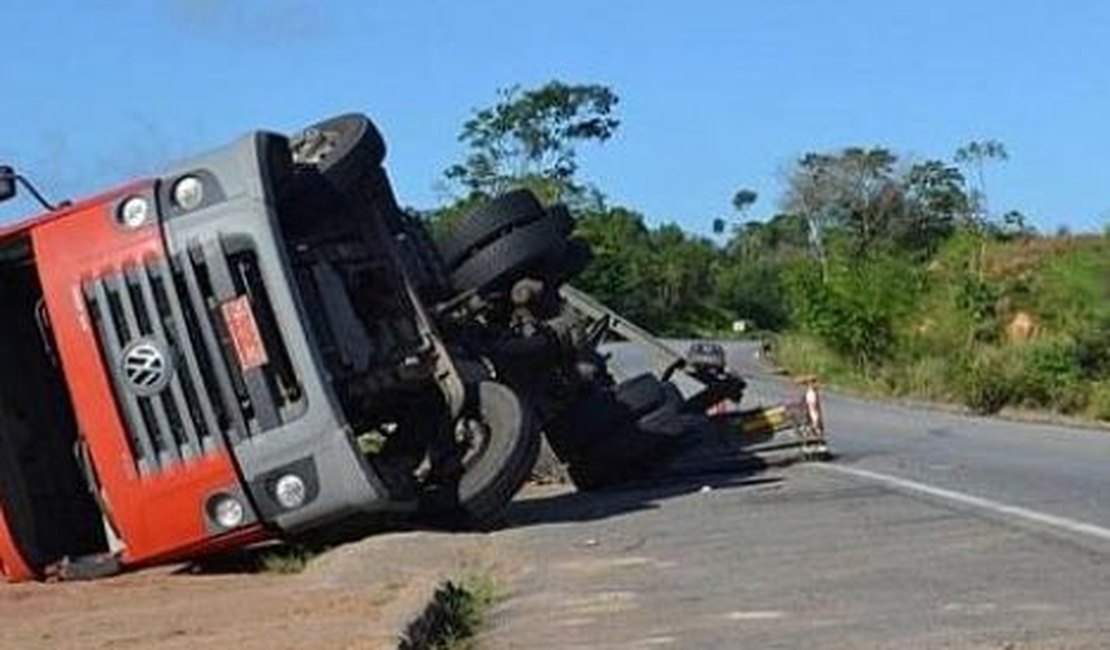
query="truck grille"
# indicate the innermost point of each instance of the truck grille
(175, 369)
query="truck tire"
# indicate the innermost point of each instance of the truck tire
(494, 470)
(500, 262)
(641, 394)
(348, 151)
(489, 220)
(589, 438)
(575, 259)
(341, 148)
(608, 438)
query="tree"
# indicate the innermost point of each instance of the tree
(937, 199)
(661, 277)
(618, 274)
(743, 199)
(852, 193)
(753, 292)
(976, 155)
(864, 201)
(782, 238)
(530, 137)
(1015, 225)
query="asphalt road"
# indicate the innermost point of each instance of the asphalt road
(1062, 472)
(931, 529)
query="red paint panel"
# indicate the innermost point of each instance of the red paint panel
(12, 564)
(160, 515)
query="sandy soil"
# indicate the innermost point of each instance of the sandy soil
(361, 595)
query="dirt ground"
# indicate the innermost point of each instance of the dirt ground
(357, 596)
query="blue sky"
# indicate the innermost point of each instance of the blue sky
(714, 94)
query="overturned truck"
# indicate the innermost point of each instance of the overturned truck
(260, 343)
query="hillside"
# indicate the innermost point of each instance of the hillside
(1022, 323)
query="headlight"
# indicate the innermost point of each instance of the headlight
(290, 491)
(133, 212)
(188, 193)
(226, 510)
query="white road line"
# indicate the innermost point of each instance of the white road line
(755, 616)
(1016, 512)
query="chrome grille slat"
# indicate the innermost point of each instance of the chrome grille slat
(225, 388)
(162, 434)
(142, 446)
(190, 446)
(184, 341)
(174, 306)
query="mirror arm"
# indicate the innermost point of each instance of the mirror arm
(9, 174)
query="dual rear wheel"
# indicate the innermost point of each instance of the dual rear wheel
(506, 239)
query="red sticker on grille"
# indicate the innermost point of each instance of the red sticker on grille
(239, 318)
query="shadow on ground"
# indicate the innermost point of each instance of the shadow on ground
(601, 504)
(711, 465)
(292, 556)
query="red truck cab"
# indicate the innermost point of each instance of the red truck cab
(71, 480)
(160, 396)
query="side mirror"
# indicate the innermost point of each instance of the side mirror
(7, 183)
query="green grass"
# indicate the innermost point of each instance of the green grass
(1099, 405)
(1038, 375)
(458, 613)
(286, 560)
(802, 354)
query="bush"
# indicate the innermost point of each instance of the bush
(802, 354)
(1050, 376)
(989, 379)
(1098, 404)
(855, 308)
(927, 377)
(1040, 374)
(937, 331)
(1092, 349)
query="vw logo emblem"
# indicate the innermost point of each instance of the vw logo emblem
(146, 366)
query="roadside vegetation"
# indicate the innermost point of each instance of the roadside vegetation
(286, 559)
(1032, 330)
(457, 614)
(885, 273)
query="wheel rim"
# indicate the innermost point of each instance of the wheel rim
(314, 146)
(473, 435)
